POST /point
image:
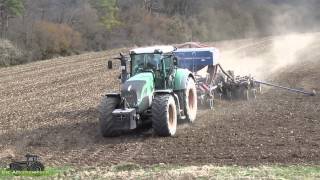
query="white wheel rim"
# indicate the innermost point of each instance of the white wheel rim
(172, 116)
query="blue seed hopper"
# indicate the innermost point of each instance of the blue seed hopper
(196, 59)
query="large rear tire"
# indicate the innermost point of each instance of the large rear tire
(190, 101)
(164, 115)
(108, 105)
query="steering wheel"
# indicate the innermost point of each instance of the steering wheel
(148, 70)
(139, 69)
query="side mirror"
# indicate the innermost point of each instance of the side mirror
(110, 65)
(175, 61)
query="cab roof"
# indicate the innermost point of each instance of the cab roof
(153, 49)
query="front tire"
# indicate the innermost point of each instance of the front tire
(108, 105)
(164, 115)
(190, 101)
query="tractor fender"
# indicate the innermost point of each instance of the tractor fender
(181, 79)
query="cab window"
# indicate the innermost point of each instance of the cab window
(141, 62)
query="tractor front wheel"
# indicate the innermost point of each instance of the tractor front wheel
(190, 101)
(108, 105)
(164, 115)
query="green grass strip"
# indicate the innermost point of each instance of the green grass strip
(47, 172)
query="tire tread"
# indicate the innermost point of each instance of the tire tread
(159, 115)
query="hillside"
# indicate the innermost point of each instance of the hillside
(49, 108)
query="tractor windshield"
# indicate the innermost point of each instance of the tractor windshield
(142, 62)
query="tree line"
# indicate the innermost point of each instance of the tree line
(41, 29)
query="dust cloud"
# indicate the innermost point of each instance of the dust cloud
(263, 57)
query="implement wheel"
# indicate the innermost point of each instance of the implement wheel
(107, 106)
(190, 101)
(164, 115)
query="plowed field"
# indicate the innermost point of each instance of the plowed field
(49, 108)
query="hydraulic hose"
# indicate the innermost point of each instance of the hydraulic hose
(225, 73)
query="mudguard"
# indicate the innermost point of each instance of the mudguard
(181, 78)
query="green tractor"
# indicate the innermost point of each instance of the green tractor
(155, 91)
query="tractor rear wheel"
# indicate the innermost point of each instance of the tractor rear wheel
(190, 101)
(164, 115)
(107, 106)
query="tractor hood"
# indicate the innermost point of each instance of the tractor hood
(138, 91)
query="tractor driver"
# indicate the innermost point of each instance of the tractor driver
(146, 62)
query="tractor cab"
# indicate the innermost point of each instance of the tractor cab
(158, 60)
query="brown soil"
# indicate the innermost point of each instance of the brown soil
(49, 108)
